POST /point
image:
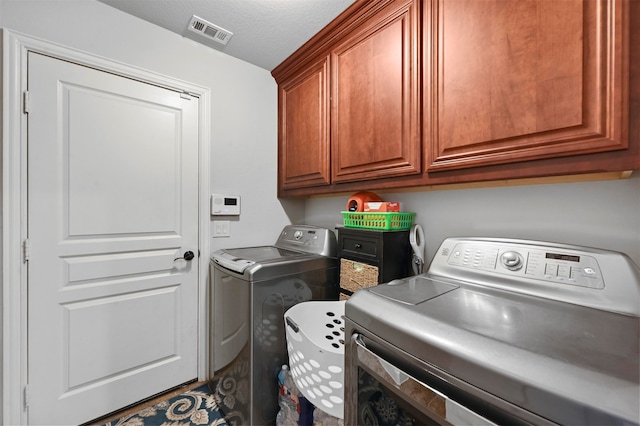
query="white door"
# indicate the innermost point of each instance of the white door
(112, 201)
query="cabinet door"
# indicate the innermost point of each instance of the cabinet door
(304, 128)
(524, 80)
(375, 114)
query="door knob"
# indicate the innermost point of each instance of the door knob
(188, 255)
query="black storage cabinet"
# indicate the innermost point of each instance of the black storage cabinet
(389, 251)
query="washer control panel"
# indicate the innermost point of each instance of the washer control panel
(309, 239)
(557, 266)
(298, 236)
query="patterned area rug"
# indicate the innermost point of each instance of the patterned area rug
(193, 407)
(232, 390)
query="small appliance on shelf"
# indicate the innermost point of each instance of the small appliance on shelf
(367, 210)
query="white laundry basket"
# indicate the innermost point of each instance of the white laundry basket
(315, 341)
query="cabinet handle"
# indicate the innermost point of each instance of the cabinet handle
(358, 245)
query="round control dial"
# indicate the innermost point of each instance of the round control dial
(511, 260)
(297, 235)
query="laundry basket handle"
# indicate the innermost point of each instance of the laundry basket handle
(292, 324)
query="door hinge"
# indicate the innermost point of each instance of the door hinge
(26, 249)
(25, 102)
(26, 396)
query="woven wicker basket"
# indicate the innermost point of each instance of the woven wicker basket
(356, 275)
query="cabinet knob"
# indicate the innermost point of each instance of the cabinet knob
(358, 245)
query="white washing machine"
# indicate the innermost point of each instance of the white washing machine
(252, 288)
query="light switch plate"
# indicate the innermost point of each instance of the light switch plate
(221, 228)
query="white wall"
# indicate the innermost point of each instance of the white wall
(243, 97)
(243, 119)
(603, 214)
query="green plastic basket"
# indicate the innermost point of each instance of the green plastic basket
(387, 221)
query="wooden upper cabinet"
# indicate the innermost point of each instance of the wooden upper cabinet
(409, 93)
(509, 81)
(375, 118)
(304, 150)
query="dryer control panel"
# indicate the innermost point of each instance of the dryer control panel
(585, 276)
(560, 267)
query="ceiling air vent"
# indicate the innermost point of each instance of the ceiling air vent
(207, 29)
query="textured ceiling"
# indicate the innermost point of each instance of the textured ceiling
(265, 32)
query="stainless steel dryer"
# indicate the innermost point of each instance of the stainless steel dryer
(499, 332)
(252, 288)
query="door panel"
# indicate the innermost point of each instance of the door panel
(95, 342)
(93, 151)
(112, 201)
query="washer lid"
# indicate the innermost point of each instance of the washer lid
(264, 254)
(239, 259)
